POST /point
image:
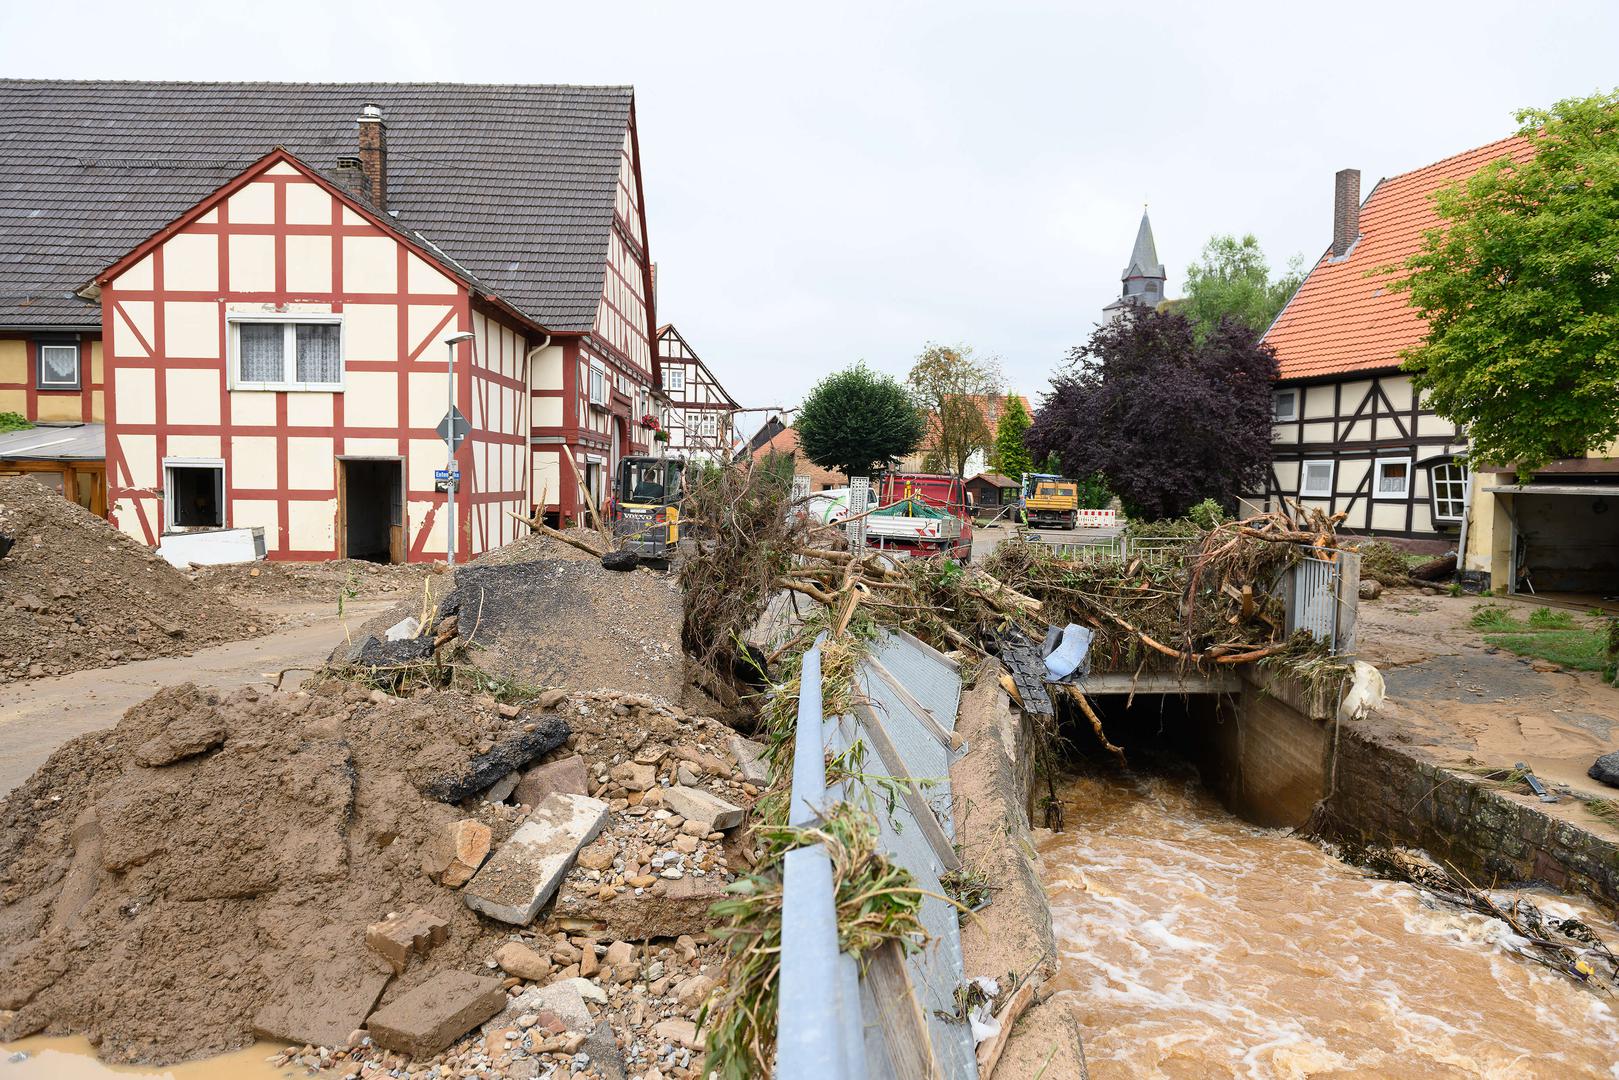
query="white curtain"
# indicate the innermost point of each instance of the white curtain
(320, 357)
(259, 352)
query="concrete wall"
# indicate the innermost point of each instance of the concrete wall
(1384, 795)
(1265, 752)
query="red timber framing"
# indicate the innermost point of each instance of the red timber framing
(1353, 422)
(621, 341)
(165, 309)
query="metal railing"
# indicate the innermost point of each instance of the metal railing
(1110, 547)
(1321, 596)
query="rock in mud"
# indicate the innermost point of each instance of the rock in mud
(620, 560)
(682, 908)
(566, 776)
(186, 737)
(454, 855)
(485, 770)
(320, 1006)
(376, 654)
(436, 1013)
(1606, 769)
(400, 936)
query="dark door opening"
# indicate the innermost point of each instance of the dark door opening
(373, 510)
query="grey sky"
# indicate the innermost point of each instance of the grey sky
(828, 182)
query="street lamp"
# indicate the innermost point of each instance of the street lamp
(450, 440)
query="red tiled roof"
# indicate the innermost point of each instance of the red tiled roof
(1345, 318)
(786, 442)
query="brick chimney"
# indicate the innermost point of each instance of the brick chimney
(1345, 212)
(350, 175)
(374, 154)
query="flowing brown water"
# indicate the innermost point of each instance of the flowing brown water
(1195, 945)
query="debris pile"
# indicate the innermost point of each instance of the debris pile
(216, 868)
(351, 579)
(76, 593)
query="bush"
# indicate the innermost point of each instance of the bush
(11, 421)
(1206, 514)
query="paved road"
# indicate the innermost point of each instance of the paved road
(38, 715)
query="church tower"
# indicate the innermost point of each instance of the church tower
(1144, 278)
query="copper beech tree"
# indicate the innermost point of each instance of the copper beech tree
(1168, 420)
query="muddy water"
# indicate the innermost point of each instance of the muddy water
(1194, 945)
(46, 1058)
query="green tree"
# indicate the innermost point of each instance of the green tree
(857, 419)
(1009, 456)
(951, 387)
(1521, 293)
(1232, 278)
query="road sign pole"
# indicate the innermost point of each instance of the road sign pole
(450, 466)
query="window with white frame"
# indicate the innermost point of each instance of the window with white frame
(194, 493)
(1315, 480)
(598, 384)
(702, 423)
(1284, 405)
(676, 377)
(1392, 478)
(1447, 485)
(58, 367)
(286, 352)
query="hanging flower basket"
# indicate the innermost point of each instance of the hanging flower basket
(660, 435)
(649, 421)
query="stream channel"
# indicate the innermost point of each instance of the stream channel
(1195, 945)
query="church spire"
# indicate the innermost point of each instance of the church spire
(1144, 256)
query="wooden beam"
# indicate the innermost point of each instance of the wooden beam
(899, 1015)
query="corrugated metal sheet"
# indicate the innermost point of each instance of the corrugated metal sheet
(76, 442)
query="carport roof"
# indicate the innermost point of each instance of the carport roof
(53, 442)
(1555, 489)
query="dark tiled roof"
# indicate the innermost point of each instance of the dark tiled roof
(514, 183)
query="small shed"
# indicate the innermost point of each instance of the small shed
(991, 491)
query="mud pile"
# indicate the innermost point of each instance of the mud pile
(76, 593)
(211, 865)
(356, 579)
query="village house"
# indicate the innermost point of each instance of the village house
(263, 283)
(702, 415)
(1352, 436)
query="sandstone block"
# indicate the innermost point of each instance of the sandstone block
(634, 777)
(597, 856)
(436, 1013)
(185, 737)
(679, 1032)
(518, 959)
(697, 804)
(455, 854)
(565, 776)
(400, 936)
(320, 1006)
(749, 758)
(519, 878)
(694, 991)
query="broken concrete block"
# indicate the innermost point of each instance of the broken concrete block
(185, 737)
(400, 936)
(695, 804)
(436, 1013)
(632, 776)
(561, 998)
(749, 758)
(382, 654)
(404, 629)
(517, 881)
(320, 1006)
(682, 908)
(565, 776)
(518, 959)
(453, 855)
(481, 773)
(585, 989)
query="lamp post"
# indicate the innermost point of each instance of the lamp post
(450, 441)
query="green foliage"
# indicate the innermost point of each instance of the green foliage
(11, 421)
(1009, 456)
(1385, 563)
(1093, 492)
(1544, 618)
(857, 419)
(1051, 464)
(951, 388)
(1521, 293)
(1493, 618)
(1206, 514)
(1231, 278)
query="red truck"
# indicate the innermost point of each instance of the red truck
(922, 514)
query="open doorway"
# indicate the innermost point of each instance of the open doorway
(371, 509)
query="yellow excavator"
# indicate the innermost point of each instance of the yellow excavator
(646, 507)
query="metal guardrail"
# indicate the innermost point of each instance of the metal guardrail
(833, 1022)
(1322, 596)
(1110, 547)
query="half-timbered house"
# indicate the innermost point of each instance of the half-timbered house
(1350, 433)
(702, 415)
(276, 269)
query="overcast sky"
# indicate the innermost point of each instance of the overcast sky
(828, 182)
